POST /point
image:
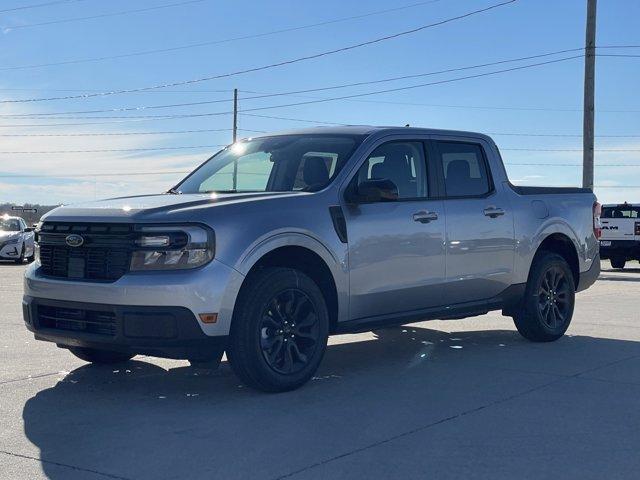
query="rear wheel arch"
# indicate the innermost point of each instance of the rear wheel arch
(562, 245)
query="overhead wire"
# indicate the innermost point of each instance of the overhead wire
(271, 65)
(103, 15)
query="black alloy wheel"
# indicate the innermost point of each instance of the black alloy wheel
(545, 311)
(279, 329)
(289, 331)
(553, 298)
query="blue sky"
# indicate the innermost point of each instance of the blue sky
(541, 100)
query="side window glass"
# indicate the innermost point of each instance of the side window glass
(464, 168)
(401, 162)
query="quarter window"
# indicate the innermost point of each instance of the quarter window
(464, 169)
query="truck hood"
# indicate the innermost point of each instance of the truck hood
(137, 208)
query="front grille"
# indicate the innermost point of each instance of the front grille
(104, 255)
(77, 320)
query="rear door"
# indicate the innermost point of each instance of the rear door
(396, 248)
(480, 244)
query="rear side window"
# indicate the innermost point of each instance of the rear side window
(464, 169)
(621, 211)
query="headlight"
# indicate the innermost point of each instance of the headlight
(172, 247)
(12, 241)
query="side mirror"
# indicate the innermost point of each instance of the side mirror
(28, 229)
(379, 190)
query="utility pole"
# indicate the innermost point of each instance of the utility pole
(589, 93)
(235, 135)
(235, 114)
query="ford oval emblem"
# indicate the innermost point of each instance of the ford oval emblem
(74, 240)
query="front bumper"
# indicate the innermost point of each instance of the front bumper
(169, 332)
(10, 250)
(210, 289)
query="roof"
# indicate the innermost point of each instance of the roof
(369, 130)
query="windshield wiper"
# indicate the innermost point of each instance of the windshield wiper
(174, 191)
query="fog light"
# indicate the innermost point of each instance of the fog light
(209, 317)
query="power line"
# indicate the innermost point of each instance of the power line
(292, 93)
(38, 5)
(183, 147)
(104, 15)
(272, 65)
(320, 122)
(85, 175)
(322, 100)
(566, 150)
(562, 135)
(218, 42)
(118, 134)
(571, 164)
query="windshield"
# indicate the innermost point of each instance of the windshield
(9, 225)
(273, 164)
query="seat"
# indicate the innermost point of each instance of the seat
(395, 167)
(459, 181)
(315, 173)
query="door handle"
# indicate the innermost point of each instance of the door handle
(493, 212)
(425, 217)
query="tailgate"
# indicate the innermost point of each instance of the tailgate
(620, 228)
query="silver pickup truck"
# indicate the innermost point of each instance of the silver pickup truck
(278, 241)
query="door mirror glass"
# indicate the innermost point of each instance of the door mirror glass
(383, 190)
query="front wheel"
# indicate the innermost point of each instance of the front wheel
(20, 260)
(279, 331)
(95, 355)
(618, 263)
(547, 308)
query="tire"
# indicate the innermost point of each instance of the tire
(94, 355)
(618, 263)
(20, 260)
(541, 319)
(279, 330)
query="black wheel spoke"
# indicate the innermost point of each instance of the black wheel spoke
(289, 331)
(295, 350)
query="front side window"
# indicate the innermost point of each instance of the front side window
(283, 163)
(464, 168)
(401, 162)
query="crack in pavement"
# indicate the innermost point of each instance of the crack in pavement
(64, 465)
(30, 377)
(449, 418)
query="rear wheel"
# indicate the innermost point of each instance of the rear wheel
(95, 355)
(618, 262)
(279, 331)
(547, 308)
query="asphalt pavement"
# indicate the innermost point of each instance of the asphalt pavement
(441, 399)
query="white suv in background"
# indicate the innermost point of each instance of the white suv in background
(620, 240)
(16, 240)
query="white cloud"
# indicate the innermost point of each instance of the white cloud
(65, 177)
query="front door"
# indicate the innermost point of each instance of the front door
(396, 248)
(480, 245)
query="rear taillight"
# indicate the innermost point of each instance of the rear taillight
(637, 229)
(597, 228)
